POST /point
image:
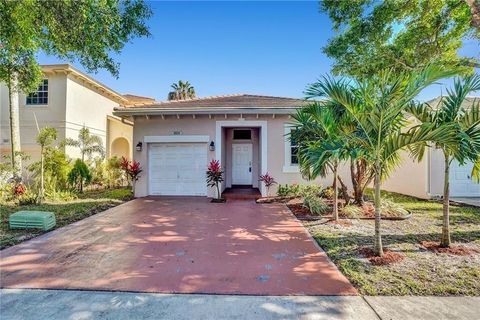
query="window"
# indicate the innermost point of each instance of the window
(39, 97)
(242, 134)
(293, 150)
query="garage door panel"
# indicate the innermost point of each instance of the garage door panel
(461, 182)
(177, 169)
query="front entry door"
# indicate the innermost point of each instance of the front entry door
(242, 163)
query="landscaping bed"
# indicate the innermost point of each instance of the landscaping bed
(66, 212)
(413, 264)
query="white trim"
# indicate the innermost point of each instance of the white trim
(288, 167)
(244, 123)
(176, 139)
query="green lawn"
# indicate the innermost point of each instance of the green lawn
(422, 272)
(66, 212)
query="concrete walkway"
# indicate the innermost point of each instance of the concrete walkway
(76, 305)
(474, 201)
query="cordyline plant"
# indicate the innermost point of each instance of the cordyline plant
(214, 175)
(132, 170)
(268, 181)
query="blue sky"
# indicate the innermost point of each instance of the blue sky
(271, 48)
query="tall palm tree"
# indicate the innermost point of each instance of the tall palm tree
(452, 110)
(182, 91)
(322, 143)
(377, 106)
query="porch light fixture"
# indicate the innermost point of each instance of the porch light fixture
(211, 147)
(138, 147)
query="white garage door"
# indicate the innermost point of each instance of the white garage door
(178, 169)
(461, 183)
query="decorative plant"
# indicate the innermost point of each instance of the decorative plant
(19, 189)
(79, 175)
(268, 180)
(45, 138)
(132, 170)
(214, 175)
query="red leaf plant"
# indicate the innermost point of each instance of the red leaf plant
(132, 170)
(19, 189)
(268, 180)
(214, 175)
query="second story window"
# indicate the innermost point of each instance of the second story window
(39, 97)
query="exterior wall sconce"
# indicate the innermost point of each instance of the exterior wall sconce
(138, 147)
(211, 147)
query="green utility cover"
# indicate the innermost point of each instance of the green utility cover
(32, 219)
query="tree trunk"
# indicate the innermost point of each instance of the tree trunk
(335, 192)
(378, 247)
(13, 96)
(475, 11)
(344, 190)
(218, 190)
(358, 173)
(42, 170)
(445, 242)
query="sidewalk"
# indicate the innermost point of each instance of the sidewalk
(76, 305)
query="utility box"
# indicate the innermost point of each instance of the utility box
(32, 220)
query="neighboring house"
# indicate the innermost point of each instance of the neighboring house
(68, 100)
(424, 179)
(246, 133)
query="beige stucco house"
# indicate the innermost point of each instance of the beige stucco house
(246, 133)
(175, 140)
(67, 100)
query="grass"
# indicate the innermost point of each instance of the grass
(66, 212)
(422, 272)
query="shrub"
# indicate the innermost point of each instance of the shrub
(27, 198)
(315, 204)
(286, 190)
(59, 196)
(132, 170)
(268, 180)
(352, 211)
(327, 193)
(309, 190)
(214, 175)
(79, 175)
(391, 209)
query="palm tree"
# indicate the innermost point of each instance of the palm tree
(377, 107)
(322, 143)
(181, 91)
(88, 144)
(452, 111)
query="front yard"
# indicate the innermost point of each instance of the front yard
(66, 212)
(421, 272)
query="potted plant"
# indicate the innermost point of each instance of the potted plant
(268, 180)
(214, 178)
(132, 170)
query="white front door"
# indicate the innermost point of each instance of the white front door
(177, 169)
(461, 182)
(242, 163)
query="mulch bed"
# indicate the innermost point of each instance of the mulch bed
(389, 257)
(458, 250)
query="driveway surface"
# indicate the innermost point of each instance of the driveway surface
(178, 245)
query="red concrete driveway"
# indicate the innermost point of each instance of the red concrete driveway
(178, 245)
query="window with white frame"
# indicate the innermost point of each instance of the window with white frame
(291, 151)
(39, 97)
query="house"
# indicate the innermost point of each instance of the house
(248, 134)
(424, 179)
(68, 100)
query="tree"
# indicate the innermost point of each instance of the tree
(453, 110)
(132, 170)
(215, 176)
(79, 175)
(323, 142)
(87, 31)
(405, 35)
(87, 143)
(378, 105)
(45, 138)
(182, 91)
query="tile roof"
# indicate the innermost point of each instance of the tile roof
(234, 101)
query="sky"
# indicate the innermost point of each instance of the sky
(226, 47)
